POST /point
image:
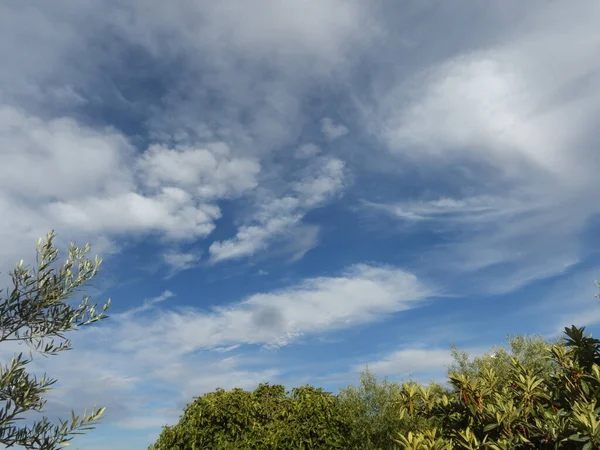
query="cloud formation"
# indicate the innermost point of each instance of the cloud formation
(275, 319)
(62, 174)
(332, 130)
(320, 182)
(518, 146)
(410, 361)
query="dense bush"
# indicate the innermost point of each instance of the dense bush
(268, 418)
(372, 411)
(552, 407)
(543, 395)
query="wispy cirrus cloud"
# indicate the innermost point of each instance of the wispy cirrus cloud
(518, 142)
(451, 211)
(179, 261)
(278, 318)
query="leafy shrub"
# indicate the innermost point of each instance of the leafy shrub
(268, 418)
(552, 407)
(372, 411)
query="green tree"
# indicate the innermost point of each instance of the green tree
(531, 406)
(372, 412)
(531, 351)
(268, 418)
(35, 312)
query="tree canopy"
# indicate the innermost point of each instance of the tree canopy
(539, 395)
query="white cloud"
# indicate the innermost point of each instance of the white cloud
(471, 209)
(422, 364)
(148, 304)
(45, 162)
(297, 51)
(173, 212)
(316, 305)
(498, 104)
(487, 105)
(332, 130)
(180, 261)
(518, 145)
(321, 33)
(46, 48)
(571, 301)
(211, 171)
(278, 217)
(410, 361)
(294, 32)
(59, 174)
(585, 317)
(144, 423)
(253, 238)
(120, 193)
(508, 241)
(307, 151)
(323, 179)
(59, 158)
(184, 181)
(305, 238)
(66, 55)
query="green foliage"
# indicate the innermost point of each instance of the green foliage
(268, 418)
(35, 312)
(530, 351)
(531, 406)
(372, 411)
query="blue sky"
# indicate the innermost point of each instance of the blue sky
(287, 191)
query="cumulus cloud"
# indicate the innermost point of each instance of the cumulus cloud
(210, 171)
(173, 188)
(46, 162)
(64, 175)
(173, 212)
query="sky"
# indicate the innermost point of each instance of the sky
(289, 191)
